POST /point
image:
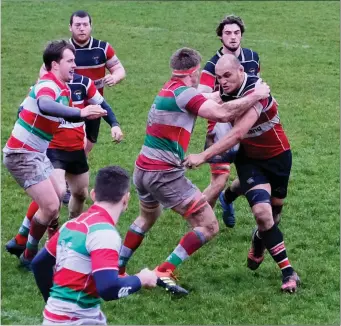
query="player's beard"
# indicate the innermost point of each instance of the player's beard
(231, 49)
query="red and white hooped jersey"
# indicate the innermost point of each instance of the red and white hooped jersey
(70, 135)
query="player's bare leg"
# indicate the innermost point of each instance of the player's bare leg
(256, 253)
(259, 200)
(217, 185)
(47, 196)
(88, 147)
(204, 224)
(79, 185)
(149, 213)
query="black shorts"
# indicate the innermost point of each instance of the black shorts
(276, 171)
(92, 129)
(74, 162)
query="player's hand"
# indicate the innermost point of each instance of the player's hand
(148, 278)
(116, 134)
(193, 161)
(93, 112)
(109, 80)
(262, 89)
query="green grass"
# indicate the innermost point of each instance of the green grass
(298, 43)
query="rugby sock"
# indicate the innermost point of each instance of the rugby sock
(37, 231)
(21, 237)
(273, 240)
(53, 228)
(132, 241)
(230, 196)
(189, 243)
(258, 245)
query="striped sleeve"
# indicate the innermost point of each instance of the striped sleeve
(93, 95)
(112, 59)
(47, 88)
(188, 98)
(103, 244)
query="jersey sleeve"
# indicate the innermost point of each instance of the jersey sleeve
(189, 99)
(92, 94)
(47, 88)
(103, 244)
(111, 57)
(51, 245)
(207, 77)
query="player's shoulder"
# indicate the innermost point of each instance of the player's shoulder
(249, 54)
(250, 83)
(97, 43)
(214, 59)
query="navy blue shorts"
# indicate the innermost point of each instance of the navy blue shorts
(275, 171)
(74, 162)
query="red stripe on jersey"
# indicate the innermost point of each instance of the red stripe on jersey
(166, 93)
(207, 79)
(104, 259)
(15, 143)
(270, 144)
(149, 164)
(51, 245)
(74, 280)
(54, 317)
(68, 139)
(92, 73)
(97, 217)
(195, 103)
(46, 91)
(91, 91)
(44, 124)
(74, 226)
(267, 115)
(177, 134)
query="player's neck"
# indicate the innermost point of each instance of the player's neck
(114, 210)
(57, 76)
(235, 53)
(81, 44)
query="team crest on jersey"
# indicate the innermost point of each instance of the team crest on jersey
(96, 59)
(252, 71)
(78, 94)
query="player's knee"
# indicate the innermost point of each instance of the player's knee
(50, 210)
(81, 194)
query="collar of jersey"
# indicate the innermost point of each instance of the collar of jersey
(87, 45)
(51, 76)
(104, 213)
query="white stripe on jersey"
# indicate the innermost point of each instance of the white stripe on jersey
(29, 139)
(30, 104)
(71, 125)
(96, 99)
(72, 260)
(262, 128)
(70, 309)
(103, 239)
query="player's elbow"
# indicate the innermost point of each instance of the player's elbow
(108, 293)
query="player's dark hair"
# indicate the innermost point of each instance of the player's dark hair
(54, 52)
(185, 58)
(111, 184)
(229, 20)
(80, 14)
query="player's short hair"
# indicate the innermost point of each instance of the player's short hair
(229, 20)
(80, 14)
(111, 184)
(185, 58)
(54, 52)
